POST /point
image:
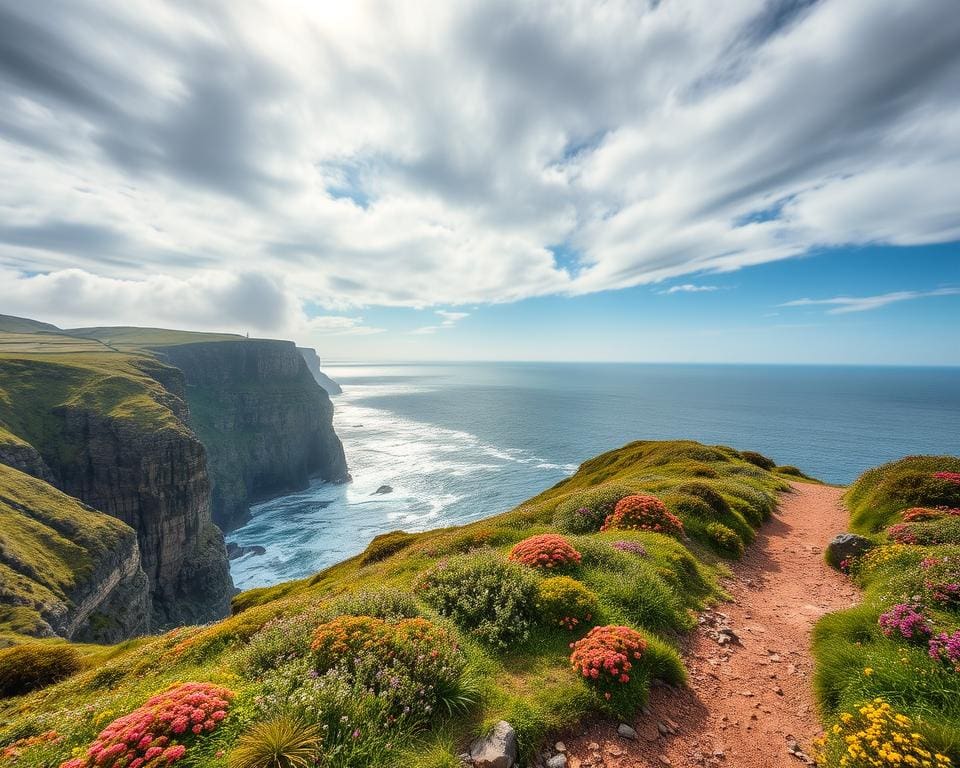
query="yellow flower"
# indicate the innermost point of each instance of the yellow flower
(868, 671)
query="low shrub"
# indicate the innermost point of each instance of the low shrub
(943, 530)
(633, 547)
(905, 622)
(547, 550)
(867, 736)
(390, 604)
(279, 641)
(939, 581)
(725, 539)
(584, 512)
(567, 603)
(708, 494)
(347, 638)
(606, 655)
(946, 648)
(385, 545)
(643, 513)
(792, 471)
(158, 732)
(281, 742)
(919, 514)
(29, 667)
(758, 459)
(485, 595)
(685, 506)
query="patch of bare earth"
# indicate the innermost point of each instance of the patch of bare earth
(749, 702)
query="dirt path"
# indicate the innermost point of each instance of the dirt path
(747, 700)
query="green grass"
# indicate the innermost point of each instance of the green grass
(49, 545)
(530, 683)
(12, 324)
(134, 338)
(855, 662)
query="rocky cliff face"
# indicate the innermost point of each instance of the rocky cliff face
(111, 432)
(66, 569)
(266, 423)
(312, 360)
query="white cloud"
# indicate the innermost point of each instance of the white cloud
(844, 304)
(449, 319)
(357, 154)
(690, 288)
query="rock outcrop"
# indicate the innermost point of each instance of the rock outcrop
(66, 569)
(266, 423)
(312, 360)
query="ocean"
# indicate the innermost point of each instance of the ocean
(459, 442)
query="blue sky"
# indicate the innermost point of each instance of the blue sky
(776, 183)
(741, 320)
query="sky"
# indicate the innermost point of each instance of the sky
(656, 181)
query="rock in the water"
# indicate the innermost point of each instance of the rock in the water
(498, 750)
(382, 490)
(236, 551)
(846, 545)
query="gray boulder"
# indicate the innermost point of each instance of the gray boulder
(498, 750)
(846, 545)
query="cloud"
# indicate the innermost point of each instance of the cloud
(356, 155)
(449, 319)
(844, 304)
(690, 288)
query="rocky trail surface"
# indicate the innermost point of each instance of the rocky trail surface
(749, 702)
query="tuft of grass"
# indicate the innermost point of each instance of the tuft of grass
(282, 742)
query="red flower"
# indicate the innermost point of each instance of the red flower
(953, 477)
(143, 736)
(643, 513)
(549, 550)
(606, 655)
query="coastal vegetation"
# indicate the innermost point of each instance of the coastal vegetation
(402, 655)
(888, 670)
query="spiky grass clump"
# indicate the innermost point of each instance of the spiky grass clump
(282, 742)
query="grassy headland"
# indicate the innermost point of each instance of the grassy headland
(496, 644)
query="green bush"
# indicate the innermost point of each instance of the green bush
(25, 668)
(585, 511)
(389, 604)
(280, 640)
(725, 539)
(385, 545)
(758, 459)
(685, 506)
(492, 599)
(281, 742)
(565, 602)
(708, 494)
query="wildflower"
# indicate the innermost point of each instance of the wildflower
(643, 513)
(905, 621)
(548, 550)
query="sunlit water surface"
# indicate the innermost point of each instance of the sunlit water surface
(461, 442)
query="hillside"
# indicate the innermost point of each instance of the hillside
(65, 569)
(12, 324)
(500, 630)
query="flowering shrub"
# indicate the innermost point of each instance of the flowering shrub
(918, 514)
(941, 580)
(585, 511)
(11, 752)
(151, 735)
(643, 513)
(946, 648)
(905, 621)
(488, 596)
(902, 533)
(633, 547)
(347, 637)
(606, 655)
(548, 550)
(953, 477)
(566, 602)
(876, 736)
(725, 539)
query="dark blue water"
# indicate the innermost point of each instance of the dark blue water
(459, 442)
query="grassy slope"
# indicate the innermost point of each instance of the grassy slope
(530, 685)
(49, 543)
(849, 642)
(134, 338)
(13, 324)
